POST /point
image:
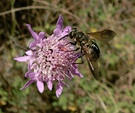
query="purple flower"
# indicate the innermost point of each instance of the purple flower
(51, 59)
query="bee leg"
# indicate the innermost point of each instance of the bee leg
(63, 37)
(81, 62)
(81, 57)
(73, 50)
(73, 43)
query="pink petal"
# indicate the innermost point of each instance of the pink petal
(40, 86)
(34, 35)
(32, 44)
(65, 32)
(67, 29)
(29, 74)
(74, 71)
(59, 89)
(59, 25)
(29, 52)
(50, 84)
(27, 84)
(41, 35)
(68, 73)
(22, 59)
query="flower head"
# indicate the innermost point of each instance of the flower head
(51, 59)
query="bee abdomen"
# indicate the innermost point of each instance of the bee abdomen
(95, 52)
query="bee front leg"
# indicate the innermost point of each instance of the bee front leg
(81, 57)
(82, 61)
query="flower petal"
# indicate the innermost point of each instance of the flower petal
(29, 74)
(67, 29)
(68, 74)
(64, 32)
(22, 59)
(34, 35)
(27, 84)
(59, 25)
(29, 52)
(32, 44)
(59, 89)
(74, 71)
(50, 84)
(41, 35)
(40, 86)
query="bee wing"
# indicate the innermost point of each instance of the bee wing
(104, 36)
(93, 66)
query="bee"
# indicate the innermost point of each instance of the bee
(89, 48)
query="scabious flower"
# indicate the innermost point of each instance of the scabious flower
(51, 59)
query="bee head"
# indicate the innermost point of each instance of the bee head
(73, 33)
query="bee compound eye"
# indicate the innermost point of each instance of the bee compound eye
(72, 34)
(74, 29)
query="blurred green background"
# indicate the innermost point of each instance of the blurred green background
(113, 93)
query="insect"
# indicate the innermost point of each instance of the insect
(89, 48)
